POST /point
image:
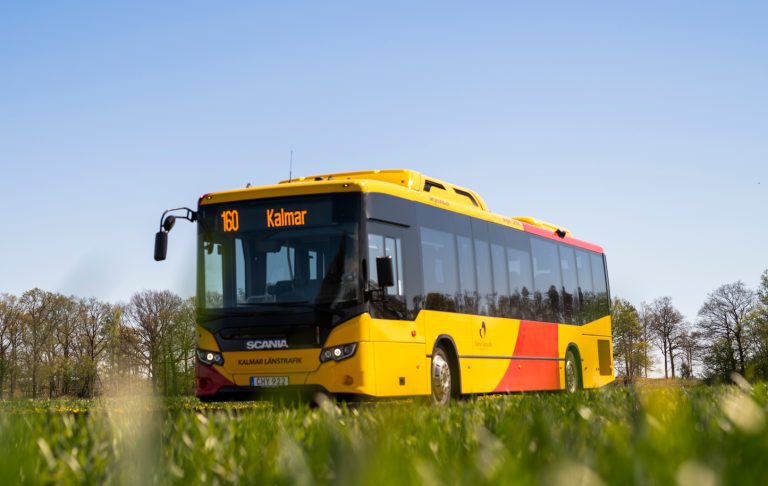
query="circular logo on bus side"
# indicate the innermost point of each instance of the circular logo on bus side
(482, 331)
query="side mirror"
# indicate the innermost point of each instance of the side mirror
(161, 245)
(385, 272)
(166, 225)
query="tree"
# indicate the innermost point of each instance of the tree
(94, 320)
(64, 346)
(629, 348)
(665, 325)
(644, 316)
(10, 326)
(181, 344)
(724, 319)
(38, 307)
(689, 342)
(152, 313)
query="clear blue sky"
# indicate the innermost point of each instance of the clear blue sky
(642, 127)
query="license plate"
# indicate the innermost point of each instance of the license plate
(269, 381)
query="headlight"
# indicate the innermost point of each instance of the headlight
(210, 357)
(337, 353)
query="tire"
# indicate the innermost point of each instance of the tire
(572, 373)
(444, 383)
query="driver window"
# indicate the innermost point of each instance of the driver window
(378, 246)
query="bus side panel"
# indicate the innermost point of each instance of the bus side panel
(400, 369)
(493, 340)
(399, 357)
(535, 363)
(594, 343)
(455, 327)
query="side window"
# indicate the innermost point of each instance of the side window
(570, 285)
(378, 246)
(546, 278)
(214, 279)
(467, 301)
(520, 275)
(467, 284)
(484, 282)
(480, 233)
(393, 247)
(586, 290)
(500, 307)
(375, 250)
(438, 255)
(601, 284)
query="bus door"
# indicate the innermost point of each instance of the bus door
(398, 342)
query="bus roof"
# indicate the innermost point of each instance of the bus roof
(404, 183)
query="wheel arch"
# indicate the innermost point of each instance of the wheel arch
(453, 353)
(574, 348)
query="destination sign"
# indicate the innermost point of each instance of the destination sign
(280, 214)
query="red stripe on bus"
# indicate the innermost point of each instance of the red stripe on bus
(534, 340)
(529, 228)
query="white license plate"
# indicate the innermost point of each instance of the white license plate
(269, 381)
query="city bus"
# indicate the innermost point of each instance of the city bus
(389, 283)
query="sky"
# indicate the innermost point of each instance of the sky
(640, 126)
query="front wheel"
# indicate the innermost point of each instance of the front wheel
(442, 379)
(572, 382)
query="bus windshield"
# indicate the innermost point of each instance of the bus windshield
(285, 252)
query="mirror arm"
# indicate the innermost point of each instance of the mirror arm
(190, 215)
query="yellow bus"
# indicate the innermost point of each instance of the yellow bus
(389, 283)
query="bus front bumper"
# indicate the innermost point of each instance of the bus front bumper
(347, 376)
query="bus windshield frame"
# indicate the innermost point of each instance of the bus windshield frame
(268, 255)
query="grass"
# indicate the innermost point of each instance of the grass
(691, 435)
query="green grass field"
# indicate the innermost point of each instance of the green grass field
(691, 435)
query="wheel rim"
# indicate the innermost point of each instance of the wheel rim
(441, 379)
(570, 376)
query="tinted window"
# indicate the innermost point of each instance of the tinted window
(483, 260)
(601, 285)
(500, 304)
(484, 275)
(520, 275)
(438, 255)
(379, 246)
(467, 284)
(570, 290)
(598, 273)
(467, 300)
(546, 278)
(584, 270)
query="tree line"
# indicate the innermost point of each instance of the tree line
(55, 345)
(729, 334)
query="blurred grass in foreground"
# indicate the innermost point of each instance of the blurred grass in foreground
(688, 435)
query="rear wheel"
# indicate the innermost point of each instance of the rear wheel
(572, 381)
(443, 382)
